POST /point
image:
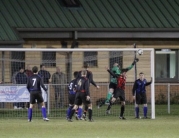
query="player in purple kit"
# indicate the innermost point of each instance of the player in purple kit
(139, 94)
(34, 84)
(82, 95)
(71, 98)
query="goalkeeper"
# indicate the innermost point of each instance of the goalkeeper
(113, 82)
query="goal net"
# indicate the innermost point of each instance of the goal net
(14, 97)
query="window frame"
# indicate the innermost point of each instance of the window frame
(17, 55)
(44, 58)
(168, 80)
(120, 58)
(91, 62)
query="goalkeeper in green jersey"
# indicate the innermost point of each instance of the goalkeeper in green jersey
(113, 82)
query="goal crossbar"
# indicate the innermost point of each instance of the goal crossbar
(74, 49)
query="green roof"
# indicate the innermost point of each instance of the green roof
(93, 14)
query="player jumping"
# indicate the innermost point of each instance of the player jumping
(113, 82)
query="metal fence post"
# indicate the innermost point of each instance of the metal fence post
(168, 98)
(48, 99)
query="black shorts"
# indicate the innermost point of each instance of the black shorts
(141, 98)
(119, 93)
(36, 95)
(81, 98)
(71, 98)
(112, 85)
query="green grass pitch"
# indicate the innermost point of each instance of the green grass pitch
(102, 127)
(14, 124)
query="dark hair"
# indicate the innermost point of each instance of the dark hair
(141, 73)
(124, 70)
(86, 65)
(41, 65)
(75, 74)
(35, 69)
(21, 68)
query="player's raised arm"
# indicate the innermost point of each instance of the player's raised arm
(132, 65)
(148, 83)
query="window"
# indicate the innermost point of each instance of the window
(91, 59)
(49, 59)
(116, 57)
(165, 64)
(18, 60)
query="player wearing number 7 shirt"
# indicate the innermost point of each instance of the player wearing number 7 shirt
(34, 84)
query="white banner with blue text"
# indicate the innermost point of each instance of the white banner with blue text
(17, 94)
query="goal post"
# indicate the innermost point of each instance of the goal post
(70, 60)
